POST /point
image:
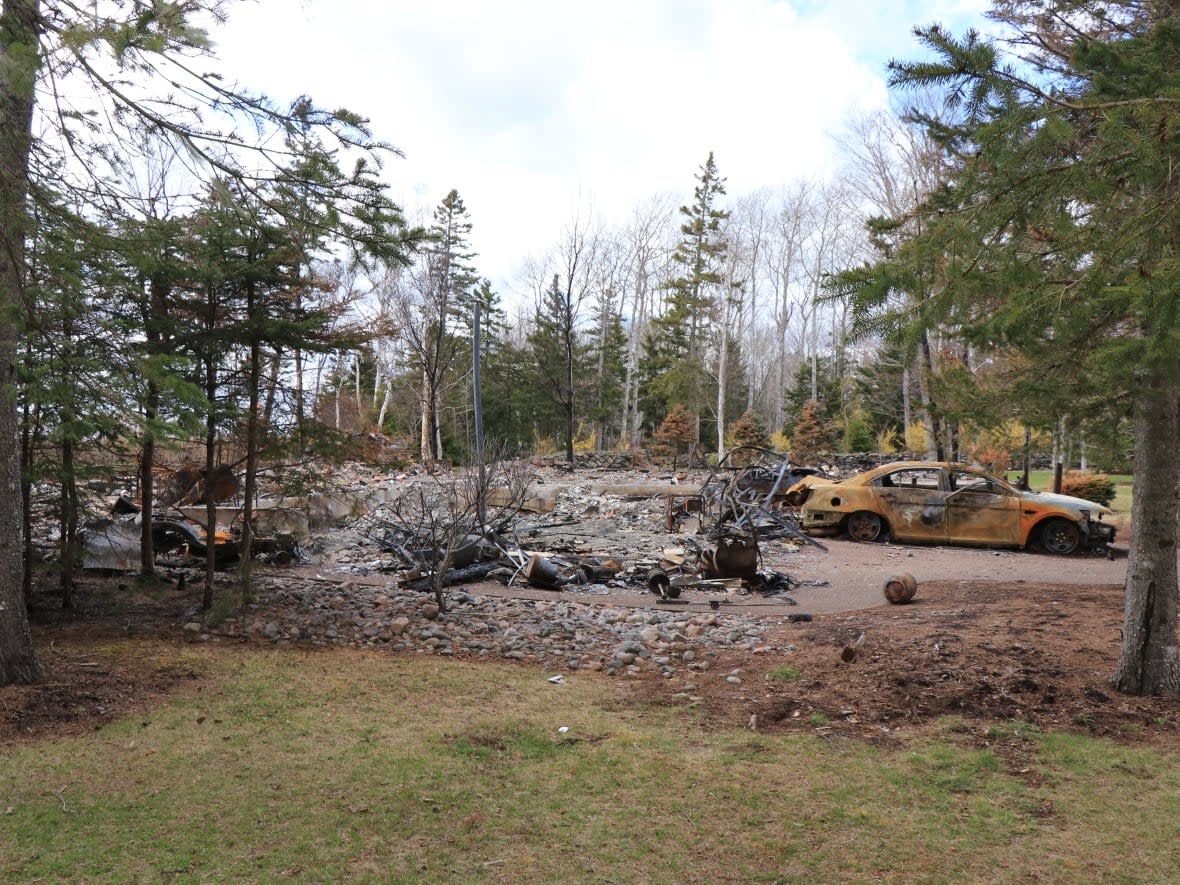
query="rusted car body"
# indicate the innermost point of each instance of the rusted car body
(927, 502)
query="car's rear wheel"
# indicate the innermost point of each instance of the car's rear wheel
(1060, 536)
(865, 526)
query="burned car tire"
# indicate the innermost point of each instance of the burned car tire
(865, 526)
(1060, 536)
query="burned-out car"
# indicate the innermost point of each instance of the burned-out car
(927, 502)
(113, 545)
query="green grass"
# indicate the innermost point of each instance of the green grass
(347, 767)
(1042, 480)
(785, 674)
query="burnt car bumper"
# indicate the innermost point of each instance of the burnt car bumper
(1098, 535)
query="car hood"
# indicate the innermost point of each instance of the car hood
(1069, 501)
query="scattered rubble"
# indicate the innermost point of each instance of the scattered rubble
(589, 536)
(581, 537)
(558, 633)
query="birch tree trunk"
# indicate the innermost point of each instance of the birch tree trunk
(424, 431)
(385, 401)
(360, 403)
(722, 372)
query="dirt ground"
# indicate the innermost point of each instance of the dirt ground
(993, 638)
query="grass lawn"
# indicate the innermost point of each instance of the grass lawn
(1042, 480)
(343, 766)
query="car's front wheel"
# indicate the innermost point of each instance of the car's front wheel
(1060, 536)
(865, 526)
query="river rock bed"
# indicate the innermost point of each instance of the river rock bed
(558, 634)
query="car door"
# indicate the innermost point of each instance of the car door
(981, 511)
(913, 500)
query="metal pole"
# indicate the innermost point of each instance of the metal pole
(477, 395)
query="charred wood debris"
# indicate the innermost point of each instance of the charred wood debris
(664, 533)
(743, 502)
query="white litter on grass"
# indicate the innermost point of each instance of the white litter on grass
(557, 680)
(563, 729)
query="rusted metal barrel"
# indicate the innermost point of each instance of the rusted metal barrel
(900, 589)
(658, 582)
(540, 572)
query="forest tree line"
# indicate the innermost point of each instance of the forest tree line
(726, 308)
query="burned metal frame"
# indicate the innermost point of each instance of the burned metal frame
(750, 498)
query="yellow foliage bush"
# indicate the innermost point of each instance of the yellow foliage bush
(915, 437)
(887, 441)
(585, 440)
(543, 445)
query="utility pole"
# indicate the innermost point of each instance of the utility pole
(477, 395)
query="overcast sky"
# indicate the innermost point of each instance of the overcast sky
(537, 109)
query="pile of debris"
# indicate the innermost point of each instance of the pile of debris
(592, 532)
(599, 540)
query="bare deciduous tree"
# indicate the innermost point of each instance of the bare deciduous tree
(435, 524)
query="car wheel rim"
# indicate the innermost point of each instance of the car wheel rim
(864, 527)
(1060, 539)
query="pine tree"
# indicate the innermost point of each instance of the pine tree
(811, 436)
(49, 50)
(145, 308)
(436, 305)
(70, 368)
(748, 430)
(1056, 235)
(678, 429)
(674, 358)
(560, 356)
(607, 353)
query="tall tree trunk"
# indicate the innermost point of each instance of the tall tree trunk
(907, 414)
(722, 380)
(68, 524)
(272, 385)
(385, 401)
(600, 370)
(253, 427)
(210, 458)
(360, 403)
(1024, 480)
(568, 333)
(69, 545)
(300, 418)
(438, 446)
(26, 493)
(1148, 658)
(159, 291)
(425, 436)
(18, 58)
(933, 425)
(147, 489)
(1058, 444)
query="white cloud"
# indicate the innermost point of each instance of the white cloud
(529, 106)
